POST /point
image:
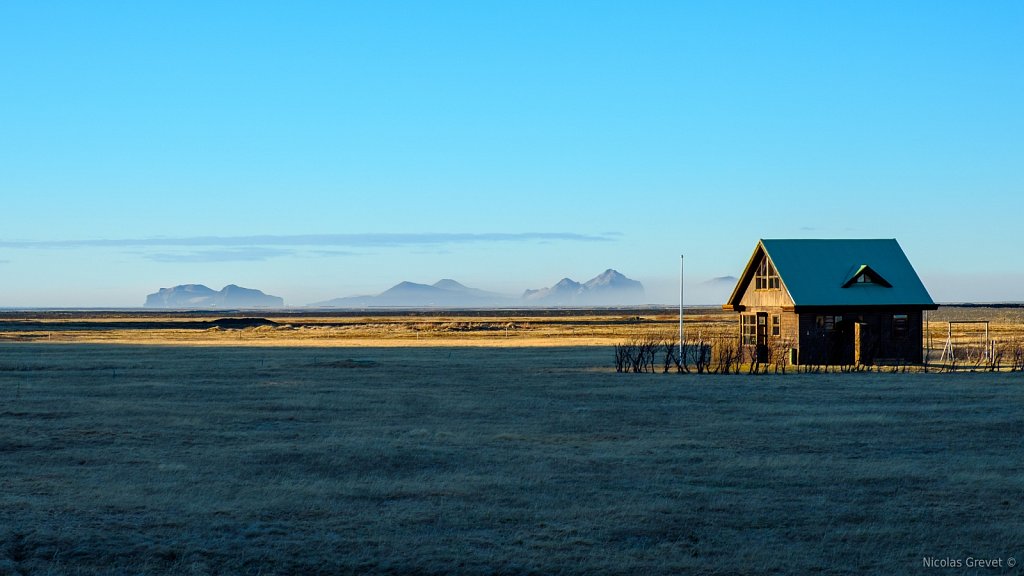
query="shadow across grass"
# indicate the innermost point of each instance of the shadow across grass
(205, 460)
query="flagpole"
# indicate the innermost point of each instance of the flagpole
(682, 354)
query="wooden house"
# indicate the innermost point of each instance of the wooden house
(830, 302)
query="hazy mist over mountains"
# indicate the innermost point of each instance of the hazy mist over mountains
(200, 296)
(610, 288)
(717, 289)
(443, 293)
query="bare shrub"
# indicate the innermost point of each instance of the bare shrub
(753, 362)
(622, 355)
(637, 354)
(1015, 351)
(726, 356)
(672, 356)
(700, 352)
(951, 363)
(779, 354)
(649, 346)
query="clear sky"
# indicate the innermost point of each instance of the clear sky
(324, 149)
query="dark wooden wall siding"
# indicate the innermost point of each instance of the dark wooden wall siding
(816, 347)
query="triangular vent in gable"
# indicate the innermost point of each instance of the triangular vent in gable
(866, 276)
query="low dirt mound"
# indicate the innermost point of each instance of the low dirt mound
(241, 323)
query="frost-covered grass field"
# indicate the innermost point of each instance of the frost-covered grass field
(248, 460)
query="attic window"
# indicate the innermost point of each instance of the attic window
(865, 276)
(766, 278)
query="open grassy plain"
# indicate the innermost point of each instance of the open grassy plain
(408, 328)
(209, 457)
(490, 328)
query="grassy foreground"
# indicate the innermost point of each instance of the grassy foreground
(245, 460)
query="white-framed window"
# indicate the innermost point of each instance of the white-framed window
(766, 278)
(748, 329)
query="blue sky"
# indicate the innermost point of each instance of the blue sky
(316, 150)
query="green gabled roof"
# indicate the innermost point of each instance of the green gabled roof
(818, 273)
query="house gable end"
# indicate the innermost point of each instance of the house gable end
(743, 283)
(748, 294)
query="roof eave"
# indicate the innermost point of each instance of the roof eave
(733, 303)
(863, 307)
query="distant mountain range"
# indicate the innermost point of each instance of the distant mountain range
(443, 293)
(607, 289)
(714, 291)
(726, 283)
(610, 288)
(199, 296)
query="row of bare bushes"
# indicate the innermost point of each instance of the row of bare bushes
(649, 353)
(724, 355)
(996, 356)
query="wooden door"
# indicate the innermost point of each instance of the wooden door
(762, 336)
